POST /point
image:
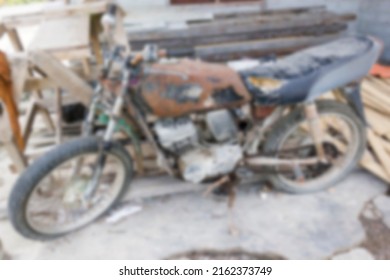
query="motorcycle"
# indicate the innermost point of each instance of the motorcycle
(212, 123)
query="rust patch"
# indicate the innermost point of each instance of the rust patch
(183, 93)
(187, 86)
(261, 112)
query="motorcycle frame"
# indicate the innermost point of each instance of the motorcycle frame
(115, 120)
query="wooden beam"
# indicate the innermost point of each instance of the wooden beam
(315, 29)
(243, 25)
(278, 12)
(379, 122)
(34, 108)
(15, 39)
(62, 76)
(19, 71)
(3, 30)
(368, 162)
(36, 84)
(380, 151)
(28, 125)
(16, 156)
(62, 34)
(95, 30)
(223, 52)
(58, 116)
(90, 8)
(9, 143)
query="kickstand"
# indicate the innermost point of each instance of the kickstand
(229, 183)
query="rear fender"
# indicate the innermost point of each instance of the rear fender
(352, 94)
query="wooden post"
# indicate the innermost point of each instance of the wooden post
(95, 30)
(18, 159)
(58, 116)
(3, 30)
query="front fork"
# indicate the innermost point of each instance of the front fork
(114, 116)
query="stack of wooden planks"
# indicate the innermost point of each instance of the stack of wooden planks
(376, 98)
(244, 34)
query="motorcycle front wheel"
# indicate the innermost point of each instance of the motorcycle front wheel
(48, 199)
(344, 143)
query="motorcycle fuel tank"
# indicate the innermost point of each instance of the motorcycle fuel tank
(181, 87)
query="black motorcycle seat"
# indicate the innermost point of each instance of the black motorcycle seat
(305, 75)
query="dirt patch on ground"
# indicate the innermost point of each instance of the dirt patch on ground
(225, 255)
(378, 238)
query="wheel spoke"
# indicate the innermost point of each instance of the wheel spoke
(337, 137)
(57, 204)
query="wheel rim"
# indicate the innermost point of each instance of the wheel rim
(56, 204)
(341, 139)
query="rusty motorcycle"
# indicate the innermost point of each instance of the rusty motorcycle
(206, 122)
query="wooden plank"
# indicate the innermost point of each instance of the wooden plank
(29, 122)
(379, 122)
(73, 54)
(236, 26)
(3, 30)
(14, 16)
(35, 84)
(279, 12)
(370, 101)
(91, 8)
(62, 34)
(380, 152)
(86, 68)
(26, 15)
(377, 93)
(381, 85)
(315, 29)
(225, 52)
(19, 71)
(368, 162)
(63, 77)
(7, 139)
(5, 128)
(15, 40)
(34, 108)
(95, 30)
(58, 116)
(16, 156)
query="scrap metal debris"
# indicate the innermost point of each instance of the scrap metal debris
(122, 212)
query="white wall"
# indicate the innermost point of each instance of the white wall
(143, 3)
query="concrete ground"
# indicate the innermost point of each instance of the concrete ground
(318, 226)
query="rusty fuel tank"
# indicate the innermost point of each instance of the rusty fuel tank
(186, 86)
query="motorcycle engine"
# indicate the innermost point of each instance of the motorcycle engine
(204, 148)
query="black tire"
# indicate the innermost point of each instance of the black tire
(45, 165)
(281, 128)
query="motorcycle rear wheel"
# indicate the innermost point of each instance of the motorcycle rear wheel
(47, 201)
(321, 176)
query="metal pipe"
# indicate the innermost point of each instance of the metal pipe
(266, 161)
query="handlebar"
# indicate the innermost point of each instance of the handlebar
(151, 53)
